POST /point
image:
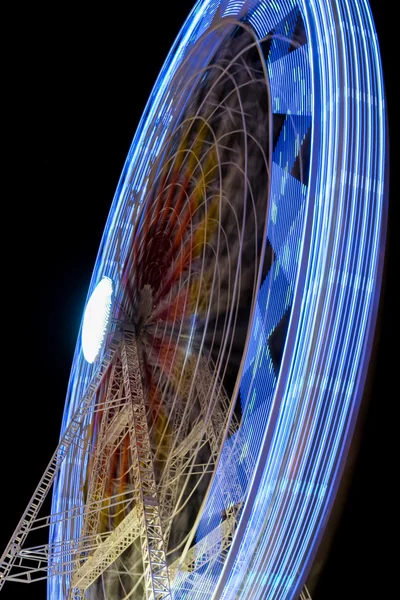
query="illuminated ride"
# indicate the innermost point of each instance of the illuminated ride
(225, 343)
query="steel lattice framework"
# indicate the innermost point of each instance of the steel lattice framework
(201, 452)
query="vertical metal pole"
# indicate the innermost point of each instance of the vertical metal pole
(157, 585)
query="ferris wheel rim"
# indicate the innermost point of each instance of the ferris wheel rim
(298, 298)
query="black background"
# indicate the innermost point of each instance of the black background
(75, 86)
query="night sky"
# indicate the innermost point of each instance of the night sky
(75, 86)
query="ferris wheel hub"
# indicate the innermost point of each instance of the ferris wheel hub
(144, 309)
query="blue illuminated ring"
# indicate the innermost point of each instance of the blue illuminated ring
(328, 234)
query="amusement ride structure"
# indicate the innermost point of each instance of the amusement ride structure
(224, 346)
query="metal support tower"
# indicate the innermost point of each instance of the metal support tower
(144, 520)
(156, 576)
(124, 413)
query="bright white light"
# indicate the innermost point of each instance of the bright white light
(95, 319)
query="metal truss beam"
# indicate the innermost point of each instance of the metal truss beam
(77, 511)
(207, 549)
(51, 560)
(305, 594)
(188, 443)
(107, 552)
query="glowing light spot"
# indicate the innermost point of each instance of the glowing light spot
(96, 319)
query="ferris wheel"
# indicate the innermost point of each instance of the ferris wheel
(223, 350)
